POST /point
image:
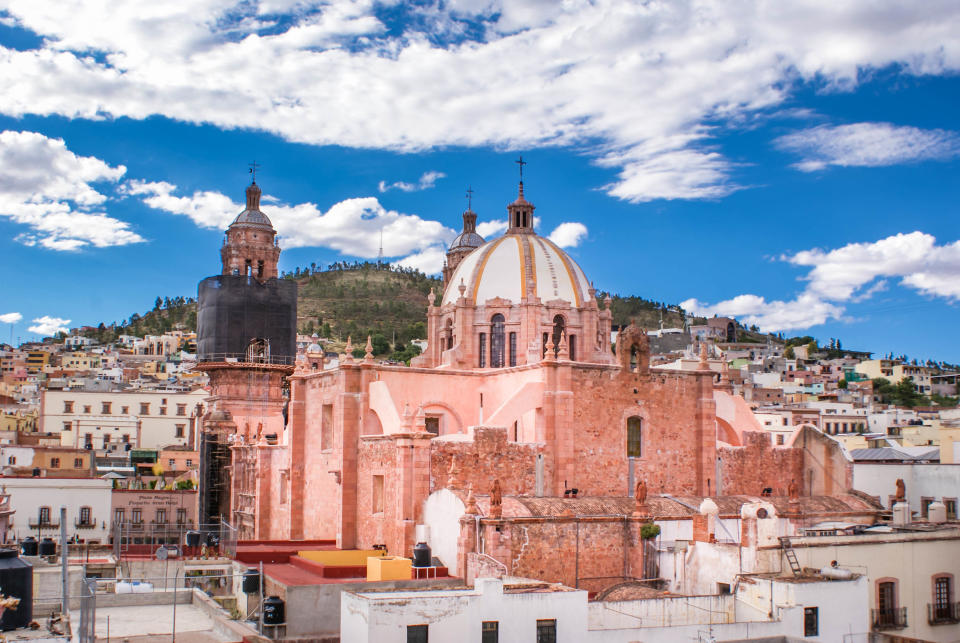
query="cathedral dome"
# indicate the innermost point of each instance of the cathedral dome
(252, 215)
(518, 266)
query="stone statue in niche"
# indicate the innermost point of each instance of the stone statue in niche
(901, 490)
(496, 500)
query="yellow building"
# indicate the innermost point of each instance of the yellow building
(25, 421)
(36, 360)
(80, 361)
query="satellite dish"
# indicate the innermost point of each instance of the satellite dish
(162, 553)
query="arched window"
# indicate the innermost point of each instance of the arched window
(573, 347)
(497, 337)
(513, 349)
(446, 342)
(634, 359)
(260, 269)
(558, 324)
(634, 437)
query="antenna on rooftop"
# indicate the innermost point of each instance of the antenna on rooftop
(380, 254)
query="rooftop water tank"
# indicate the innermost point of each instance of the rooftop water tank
(16, 580)
(901, 513)
(937, 512)
(273, 611)
(48, 547)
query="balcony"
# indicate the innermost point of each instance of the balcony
(943, 613)
(85, 524)
(894, 618)
(36, 523)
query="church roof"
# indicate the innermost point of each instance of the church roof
(517, 266)
(467, 240)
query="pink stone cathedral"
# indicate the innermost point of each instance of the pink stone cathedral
(518, 385)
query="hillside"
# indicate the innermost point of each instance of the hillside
(358, 299)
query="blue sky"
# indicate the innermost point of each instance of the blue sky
(793, 164)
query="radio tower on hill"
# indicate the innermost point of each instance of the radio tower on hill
(380, 254)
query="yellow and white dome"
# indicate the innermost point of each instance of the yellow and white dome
(518, 266)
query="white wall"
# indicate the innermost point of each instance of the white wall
(441, 512)
(456, 615)
(931, 480)
(27, 495)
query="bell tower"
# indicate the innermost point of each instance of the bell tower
(250, 246)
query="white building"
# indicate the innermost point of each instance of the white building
(925, 482)
(111, 420)
(37, 503)
(519, 612)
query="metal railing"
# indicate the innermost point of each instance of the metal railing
(893, 618)
(244, 358)
(943, 613)
(142, 538)
(85, 524)
(36, 523)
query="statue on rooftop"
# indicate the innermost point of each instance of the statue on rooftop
(901, 490)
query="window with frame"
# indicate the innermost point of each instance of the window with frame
(78, 463)
(433, 424)
(68, 407)
(44, 515)
(559, 324)
(85, 515)
(483, 350)
(12, 460)
(950, 504)
(181, 516)
(117, 516)
(67, 426)
(163, 410)
(546, 630)
(124, 410)
(573, 347)
(490, 632)
(172, 464)
(497, 340)
(418, 633)
(925, 503)
(136, 515)
(86, 408)
(144, 408)
(634, 437)
(811, 621)
(105, 408)
(54, 463)
(180, 430)
(161, 515)
(181, 409)
(513, 349)
(189, 462)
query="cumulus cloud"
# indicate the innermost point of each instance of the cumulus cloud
(47, 325)
(427, 180)
(642, 87)
(852, 273)
(351, 226)
(868, 145)
(50, 190)
(10, 318)
(568, 234)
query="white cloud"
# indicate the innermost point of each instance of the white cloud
(568, 234)
(49, 189)
(488, 229)
(351, 226)
(868, 145)
(428, 261)
(852, 273)
(640, 86)
(427, 180)
(10, 318)
(47, 325)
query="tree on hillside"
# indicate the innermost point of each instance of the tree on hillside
(789, 354)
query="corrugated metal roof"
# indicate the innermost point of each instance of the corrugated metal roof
(890, 454)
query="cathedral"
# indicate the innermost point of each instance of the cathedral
(519, 410)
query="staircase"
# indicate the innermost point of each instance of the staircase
(790, 554)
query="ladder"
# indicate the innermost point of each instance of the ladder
(790, 554)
